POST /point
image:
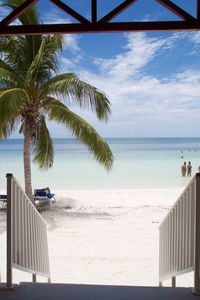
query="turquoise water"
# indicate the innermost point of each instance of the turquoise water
(139, 163)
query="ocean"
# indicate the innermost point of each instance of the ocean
(121, 209)
(140, 163)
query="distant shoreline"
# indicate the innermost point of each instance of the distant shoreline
(139, 163)
(113, 138)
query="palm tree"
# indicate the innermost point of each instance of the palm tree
(32, 92)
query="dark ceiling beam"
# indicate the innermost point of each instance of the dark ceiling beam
(70, 11)
(94, 28)
(198, 9)
(17, 12)
(103, 25)
(176, 10)
(116, 11)
(94, 11)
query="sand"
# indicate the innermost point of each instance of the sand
(103, 237)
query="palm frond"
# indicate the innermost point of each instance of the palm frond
(33, 70)
(43, 146)
(7, 77)
(5, 66)
(82, 93)
(15, 98)
(13, 57)
(9, 112)
(83, 131)
(45, 60)
(8, 127)
(11, 104)
(19, 51)
(53, 46)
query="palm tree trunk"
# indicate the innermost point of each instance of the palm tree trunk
(27, 162)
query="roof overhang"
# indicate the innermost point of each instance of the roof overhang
(104, 24)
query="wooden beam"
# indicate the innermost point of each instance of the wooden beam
(176, 10)
(94, 11)
(93, 28)
(17, 12)
(198, 9)
(70, 11)
(103, 25)
(119, 9)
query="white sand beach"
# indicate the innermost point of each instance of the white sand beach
(103, 237)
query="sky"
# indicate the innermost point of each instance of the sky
(151, 79)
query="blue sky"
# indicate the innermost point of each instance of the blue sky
(151, 79)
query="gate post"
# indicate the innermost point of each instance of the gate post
(197, 238)
(9, 231)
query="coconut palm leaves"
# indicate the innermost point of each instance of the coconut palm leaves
(32, 93)
(82, 93)
(83, 131)
(43, 146)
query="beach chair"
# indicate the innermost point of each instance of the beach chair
(43, 196)
(3, 201)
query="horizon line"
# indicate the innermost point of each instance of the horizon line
(152, 137)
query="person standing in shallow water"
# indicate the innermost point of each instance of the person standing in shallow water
(189, 169)
(184, 169)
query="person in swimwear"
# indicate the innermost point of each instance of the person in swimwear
(184, 169)
(189, 169)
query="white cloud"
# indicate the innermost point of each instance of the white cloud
(145, 105)
(139, 100)
(71, 43)
(138, 52)
(68, 65)
(195, 37)
(55, 16)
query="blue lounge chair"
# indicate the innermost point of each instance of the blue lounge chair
(44, 194)
(3, 201)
